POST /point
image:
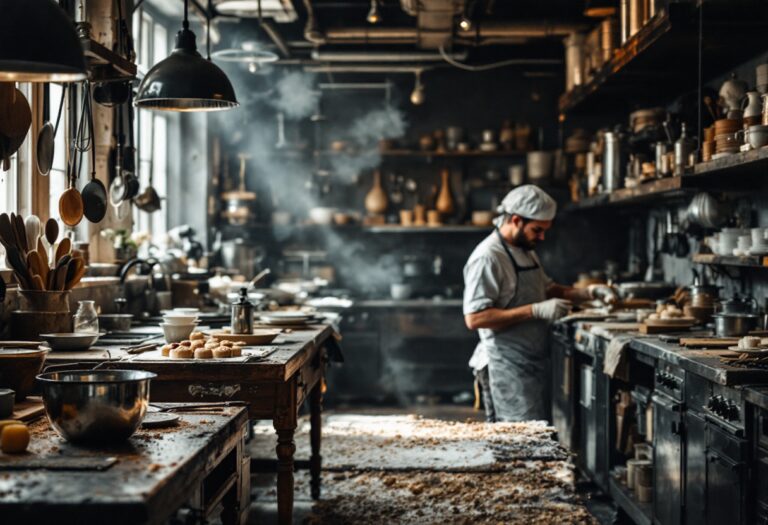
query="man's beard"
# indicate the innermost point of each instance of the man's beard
(521, 241)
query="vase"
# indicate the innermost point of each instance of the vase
(444, 202)
(376, 199)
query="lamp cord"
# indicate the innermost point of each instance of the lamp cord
(208, 31)
(185, 25)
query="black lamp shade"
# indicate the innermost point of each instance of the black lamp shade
(185, 81)
(38, 43)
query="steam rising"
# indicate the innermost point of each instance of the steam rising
(295, 95)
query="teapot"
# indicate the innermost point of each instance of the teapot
(731, 93)
(752, 105)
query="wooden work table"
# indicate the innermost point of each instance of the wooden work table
(197, 464)
(274, 387)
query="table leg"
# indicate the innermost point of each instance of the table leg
(315, 437)
(285, 450)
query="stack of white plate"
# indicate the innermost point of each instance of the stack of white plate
(287, 318)
(759, 242)
(177, 325)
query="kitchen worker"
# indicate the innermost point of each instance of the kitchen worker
(510, 301)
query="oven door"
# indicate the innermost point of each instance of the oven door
(667, 460)
(726, 478)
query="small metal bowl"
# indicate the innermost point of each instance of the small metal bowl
(70, 341)
(96, 406)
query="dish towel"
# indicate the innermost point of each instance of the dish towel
(616, 363)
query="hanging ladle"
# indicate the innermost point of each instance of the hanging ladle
(47, 136)
(94, 194)
(71, 202)
(148, 200)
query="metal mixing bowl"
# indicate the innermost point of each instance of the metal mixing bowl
(96, 406)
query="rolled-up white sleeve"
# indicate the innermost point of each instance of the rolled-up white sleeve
(482, 284)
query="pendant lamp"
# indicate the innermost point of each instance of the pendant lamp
(38, 43)
(185, 81)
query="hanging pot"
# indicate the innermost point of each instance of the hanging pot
(148, 201)
(112, 93)
(94, 194)
(47, 137)
(15, 120)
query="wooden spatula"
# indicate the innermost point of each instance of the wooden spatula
(64, 247)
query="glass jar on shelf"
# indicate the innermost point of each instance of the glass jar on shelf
(86, 318)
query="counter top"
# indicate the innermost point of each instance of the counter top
(408, 303)
(757, 395)
(290, 355)
(704, 363)
(143, 480)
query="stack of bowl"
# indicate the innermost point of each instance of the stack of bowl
(761, 76)
(726, 142)
(177, 325)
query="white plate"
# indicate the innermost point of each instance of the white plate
(286, 322)
(70, 341)
(759, 350)
(286, 315)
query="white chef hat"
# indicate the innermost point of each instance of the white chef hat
(530, 202)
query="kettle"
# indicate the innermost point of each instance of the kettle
(242, 314)
(731, 93)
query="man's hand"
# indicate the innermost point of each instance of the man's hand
(603, 292)
(551, 309)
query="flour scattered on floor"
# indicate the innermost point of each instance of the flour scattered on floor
(406, 469)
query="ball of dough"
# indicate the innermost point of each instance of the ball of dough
(195, 336)
(660, 308)
(197, 343)
(165, 350)
(237, 351)
(186, 342)
(227, 343)
(182, 352)
(203, 353)
(222, 351)
(14, 439)
(211, 345)
(239, 343)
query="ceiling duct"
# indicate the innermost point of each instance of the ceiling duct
(374, 57)
(434, 26)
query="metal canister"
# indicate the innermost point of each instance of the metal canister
(685, 147)
(242, 314)
(612, 162)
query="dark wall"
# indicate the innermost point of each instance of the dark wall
(364, 261)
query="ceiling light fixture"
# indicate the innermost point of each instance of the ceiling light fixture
(465, 24)
(38, 43)
(465, 20)
(185, 81)
(249, 54)
(374, 17)
(418, 95)
(600, 8)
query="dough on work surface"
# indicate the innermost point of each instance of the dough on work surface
(237, 351)
(182, 352)
(195, 336)
(166, 350)
(197, 343)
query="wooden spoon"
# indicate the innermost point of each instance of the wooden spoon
(51, 231)
(43, 254)
(6, 230)
(79, 273)
(61, 276)
(35, 264)
(64, 247)
(71, 207)
(37, 283)
(32, 231)
(21, 235)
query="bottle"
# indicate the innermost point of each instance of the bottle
(86, 319)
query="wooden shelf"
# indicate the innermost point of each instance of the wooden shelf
(641, 513)
(394, 153)
(748, 261)
(448, 228)
(105, 65)
(660, 62)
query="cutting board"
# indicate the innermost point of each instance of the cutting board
(29, 409)
(708, 342)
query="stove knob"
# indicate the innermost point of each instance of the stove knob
(733, 412)
(660, 378)
(711, 403)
